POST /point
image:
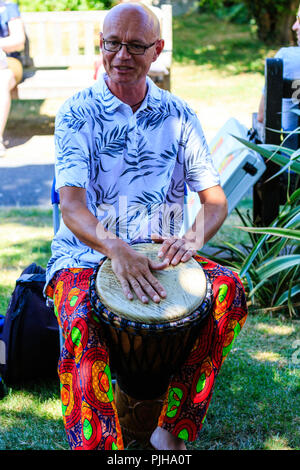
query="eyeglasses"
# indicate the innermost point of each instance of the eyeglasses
(134, 49)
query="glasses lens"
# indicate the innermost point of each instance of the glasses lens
(136, 49)
(112, 46)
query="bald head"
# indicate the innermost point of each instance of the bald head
(139, 12)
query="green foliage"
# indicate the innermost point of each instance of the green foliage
(278, 7)
(63, 5)
(232, 11)
(270, 263)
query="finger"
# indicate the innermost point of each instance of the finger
(188, 255)
(175, 251)
(140, 293)
(165, 247)
(157, 286)
(148, 289)
(155, 265)
(126, 288)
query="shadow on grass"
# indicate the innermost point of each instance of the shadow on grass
(206, 40)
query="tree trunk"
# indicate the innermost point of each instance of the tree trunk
(274, 20)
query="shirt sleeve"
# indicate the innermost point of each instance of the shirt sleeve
(200, 172)
(72, 147)
(12, 11)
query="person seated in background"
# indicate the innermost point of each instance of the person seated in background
(12, 41)
(291, 70)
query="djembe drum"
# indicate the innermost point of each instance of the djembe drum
(149, 342)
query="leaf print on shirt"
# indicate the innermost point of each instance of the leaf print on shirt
(100, 117)
(138, 161)
(175, 191)
(75, 119)
(167, 161)
(109, 144)
(154, 117)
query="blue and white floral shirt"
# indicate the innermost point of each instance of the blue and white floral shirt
(132, 165)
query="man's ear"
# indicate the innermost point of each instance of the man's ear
(101, 40)
(160, 44)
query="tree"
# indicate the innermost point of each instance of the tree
(274, 19)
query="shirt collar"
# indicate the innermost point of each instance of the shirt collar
(111, 102)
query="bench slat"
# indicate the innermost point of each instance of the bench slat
(74, 40)
(89, 39)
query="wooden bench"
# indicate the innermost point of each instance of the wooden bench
(267, 196)
(63, 47)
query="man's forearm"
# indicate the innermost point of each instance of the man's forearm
(88, 229)
(213, 212)
(206, 224)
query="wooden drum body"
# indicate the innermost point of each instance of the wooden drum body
(149, 342)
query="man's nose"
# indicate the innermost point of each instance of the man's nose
(123, 52)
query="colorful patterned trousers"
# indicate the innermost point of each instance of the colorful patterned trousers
(89, 412)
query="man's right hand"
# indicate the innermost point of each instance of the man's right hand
(133, 270)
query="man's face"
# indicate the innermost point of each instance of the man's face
(130, 28)
(296, 27)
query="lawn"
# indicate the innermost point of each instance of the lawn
(256, 399)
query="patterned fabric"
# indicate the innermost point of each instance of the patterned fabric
(88, 408)
(133, 166)
(89, 412)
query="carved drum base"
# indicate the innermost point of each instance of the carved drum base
(138, 418)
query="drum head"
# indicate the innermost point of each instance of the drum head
(185, 285)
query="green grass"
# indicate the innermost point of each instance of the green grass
(256, 399)
(215, 44)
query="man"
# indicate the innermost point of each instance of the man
(124, 150)
(291, 71)
(12, 40)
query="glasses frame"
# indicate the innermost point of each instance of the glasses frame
(121, 44)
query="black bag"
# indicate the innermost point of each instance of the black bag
(30, 332)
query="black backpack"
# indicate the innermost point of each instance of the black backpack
(30, 334)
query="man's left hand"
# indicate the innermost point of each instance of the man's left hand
(174, 249)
